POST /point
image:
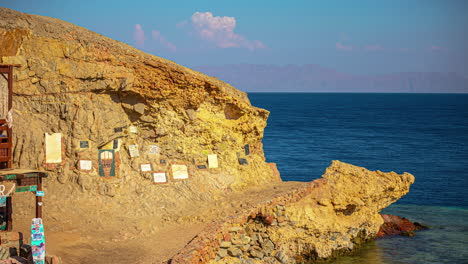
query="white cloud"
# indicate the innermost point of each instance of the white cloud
(341, 46)
(163, 41)
(139, 36)
(220, 31)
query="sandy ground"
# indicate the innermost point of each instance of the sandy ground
(114, 244)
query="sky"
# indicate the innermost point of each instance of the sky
(357, 37)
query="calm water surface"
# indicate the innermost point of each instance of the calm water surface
(424, 134)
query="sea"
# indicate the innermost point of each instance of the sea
(423, 134)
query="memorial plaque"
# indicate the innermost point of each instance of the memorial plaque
(145, 167)
(53, 145)
(212, 161)
(162, 161)
(159, 177)
(133, 129)
(84, 144)
(243, 161)
(118, 129)
(133, 151)
(106, 162)
(247, 149)
(86, 165)
(201, 167)
(153, 149)
(179, 172)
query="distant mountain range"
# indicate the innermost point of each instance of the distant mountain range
(315, 78)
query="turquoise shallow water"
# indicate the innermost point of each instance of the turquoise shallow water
(424, 134)
(444, 242)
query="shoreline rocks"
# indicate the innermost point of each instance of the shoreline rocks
(396, 225)
(332, 216)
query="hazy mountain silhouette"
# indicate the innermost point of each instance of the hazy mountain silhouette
(315, 78)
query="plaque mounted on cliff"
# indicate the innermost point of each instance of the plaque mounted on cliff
(132, 129)
(119, 129)
(133, 151)
(84, 144)
(153, 150)
(145, 167)
(86, 165)
(159, 177)
(212, 161)
(116, 144)
(53, 145)
(243, 161)
(201, 167)
(179, 172)
(106, 159)
(247, 149)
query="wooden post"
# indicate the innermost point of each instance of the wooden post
(9, 212)
(10, 106)
(39, 199)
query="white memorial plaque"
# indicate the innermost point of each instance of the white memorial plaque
(133, 151)
(212, 161)
(53, 145)
(159, 177)
(133, 129)
(179, 172)
(86, 165)
(145, 167)
(153, 149)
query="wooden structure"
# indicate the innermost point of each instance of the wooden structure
(6, 94)
(25, 181)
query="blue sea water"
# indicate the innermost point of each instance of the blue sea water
(423, 134)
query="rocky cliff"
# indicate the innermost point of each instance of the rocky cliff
(104, 119)
(91, 88)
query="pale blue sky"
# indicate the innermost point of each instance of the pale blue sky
(363, 37)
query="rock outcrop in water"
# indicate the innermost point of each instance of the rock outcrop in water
(102, 95)
(331, 217)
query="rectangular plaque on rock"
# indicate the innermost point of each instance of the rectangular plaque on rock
(153, 150)
(118, 129)
(247, 149)
(243, 161)
(212, 161)
(84, 144)
(159, 177)
(201, 167)
(86, 165)
(179, 172)
(133, 151)
(145, 167)
(53, 145)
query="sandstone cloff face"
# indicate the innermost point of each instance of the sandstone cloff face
(86, 86)
(122, 101)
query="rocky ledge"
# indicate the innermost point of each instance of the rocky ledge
(329, 217)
